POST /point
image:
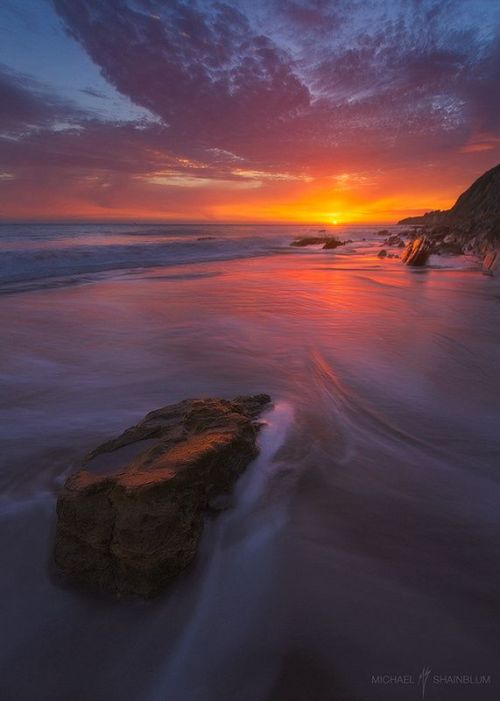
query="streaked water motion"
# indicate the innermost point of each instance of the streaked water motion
(363, 541)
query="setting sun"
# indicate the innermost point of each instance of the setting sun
(249, 364)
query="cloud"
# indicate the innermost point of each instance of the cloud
(384, 74)
(262, 95)
(206, 74)
(25, 104)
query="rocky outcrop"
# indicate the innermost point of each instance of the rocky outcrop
(130, 519)
(417, 252)
(428, 219)
(395, 240)
(329, 242)
(480, 203)
(309, 241)
(334, 243)
(472, 225)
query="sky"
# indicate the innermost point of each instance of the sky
(330, 111)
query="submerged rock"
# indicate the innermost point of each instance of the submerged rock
(394, 240)
(130, 520)
(310, 241)
(382, 253)
(417, 252)
(328, 241)
(334, 243)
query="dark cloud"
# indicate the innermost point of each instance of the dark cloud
(304, 87)
(482, 91)
(318, 17)
(204, 73)
(25, 104)
(218, 83)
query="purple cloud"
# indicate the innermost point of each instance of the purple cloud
(257, 89)
(26, 104)
(217, 82)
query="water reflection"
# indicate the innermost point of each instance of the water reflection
(363, 540)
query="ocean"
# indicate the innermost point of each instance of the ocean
(363, 543)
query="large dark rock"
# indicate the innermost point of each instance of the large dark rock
(417, 252)
(130, 519)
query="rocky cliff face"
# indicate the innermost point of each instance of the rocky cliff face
(480, 203)
(472, 225)
(130, 520)
(427, 219)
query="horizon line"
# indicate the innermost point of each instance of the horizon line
(194, 222)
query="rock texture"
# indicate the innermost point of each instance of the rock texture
(417, 252)
(130, 520)
(328, 242)
(334, 243)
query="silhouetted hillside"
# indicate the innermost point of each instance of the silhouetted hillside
(478, 205)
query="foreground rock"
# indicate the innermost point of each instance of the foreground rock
(417, 252)
(130, 520)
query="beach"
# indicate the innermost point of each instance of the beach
(362, 542)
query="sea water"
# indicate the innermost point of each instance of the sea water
(363, 543)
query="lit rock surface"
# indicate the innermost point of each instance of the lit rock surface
(416, 252)
(130, 520)
(491, 261)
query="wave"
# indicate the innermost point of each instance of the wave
(33, 267)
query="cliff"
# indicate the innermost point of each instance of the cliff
(479, 204)
(472, 225)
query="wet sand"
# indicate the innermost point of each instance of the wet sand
(364, 540)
